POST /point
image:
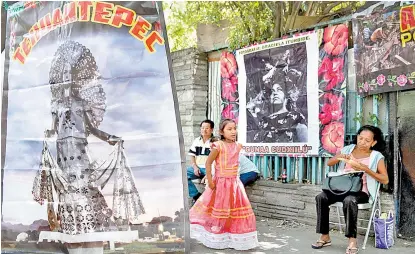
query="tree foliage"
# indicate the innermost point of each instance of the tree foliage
(249, 22)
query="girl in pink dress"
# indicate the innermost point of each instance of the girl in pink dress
(222, 217)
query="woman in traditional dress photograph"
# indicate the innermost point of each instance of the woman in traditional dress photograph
(78, 107)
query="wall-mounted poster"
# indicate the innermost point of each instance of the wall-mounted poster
(332, 73)
(384, 46)
(229, 81)
(278, 96)
(91, 158)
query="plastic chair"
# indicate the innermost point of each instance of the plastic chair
(365, 206)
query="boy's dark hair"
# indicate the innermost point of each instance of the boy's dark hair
(210, 122)
(377, 135)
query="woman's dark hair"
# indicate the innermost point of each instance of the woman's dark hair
(222, 125)
(277, 78)
(380, 145)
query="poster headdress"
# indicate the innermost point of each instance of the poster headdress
(74, 67)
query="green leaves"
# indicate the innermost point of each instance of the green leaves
(249, 21)
(373, 119)
(358, 117)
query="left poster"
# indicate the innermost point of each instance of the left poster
(91, 139)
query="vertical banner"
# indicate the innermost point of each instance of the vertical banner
(278, 96)
(91, 156)
(229, 81)
(384, 48)
(332, 73)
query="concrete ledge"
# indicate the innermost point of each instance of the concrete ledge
(275, 200)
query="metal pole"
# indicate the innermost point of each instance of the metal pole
(393, 128)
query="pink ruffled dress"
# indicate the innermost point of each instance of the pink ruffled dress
(223, 218)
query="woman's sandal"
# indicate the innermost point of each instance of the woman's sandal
(352, 250)
(320, 244)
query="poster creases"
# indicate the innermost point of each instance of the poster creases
(67, 177)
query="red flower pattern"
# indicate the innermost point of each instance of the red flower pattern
(229, 112)
(336, 39)
(332, 71)
(229, 87)
(228, 70)
(332, 109)
(332, 137)
(228, 65)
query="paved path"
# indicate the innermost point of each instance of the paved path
(277, 236)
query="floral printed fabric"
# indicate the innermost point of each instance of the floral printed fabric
(228, 73)
(332, 73)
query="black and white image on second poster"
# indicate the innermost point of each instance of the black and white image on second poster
(276, 95)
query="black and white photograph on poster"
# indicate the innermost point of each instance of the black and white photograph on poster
(88, 162)
(277, 95)
(276, 81)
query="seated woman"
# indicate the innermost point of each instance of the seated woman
(363, 155)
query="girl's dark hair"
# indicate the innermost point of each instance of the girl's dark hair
(380, 145)
(222, 125)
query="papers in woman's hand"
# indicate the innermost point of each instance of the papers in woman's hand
(352, 163)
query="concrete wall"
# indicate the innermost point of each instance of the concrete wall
(212, 37)
(190, 68)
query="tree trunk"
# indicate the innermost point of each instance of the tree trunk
(309, 8)
(278, 19)
(314, 9)
(293, 14)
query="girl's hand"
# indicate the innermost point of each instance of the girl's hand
(211, 185)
